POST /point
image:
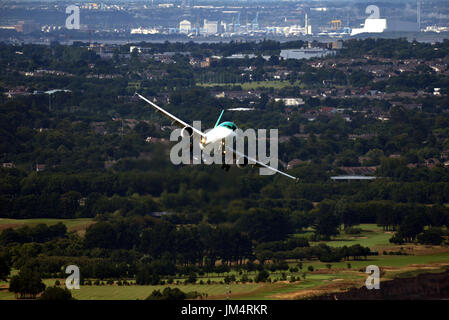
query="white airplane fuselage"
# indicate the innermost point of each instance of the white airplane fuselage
(216, 135)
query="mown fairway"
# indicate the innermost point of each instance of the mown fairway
(114, 292)
(371, 236)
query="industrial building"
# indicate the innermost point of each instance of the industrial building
(185, 26)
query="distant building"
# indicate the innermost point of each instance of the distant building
(307, 53)
(27, 27)
(205, 63)
(210, 27)
(351, 177)
(185, 26)
(160, 214)
(335, 45)
(40, 167)
(291, 102)
(293, 163)
(141, 30)
(137, 49)
(8, 165)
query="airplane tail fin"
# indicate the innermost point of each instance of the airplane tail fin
(218, 121)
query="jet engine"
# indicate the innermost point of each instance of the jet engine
(241, 162)
(187, 132)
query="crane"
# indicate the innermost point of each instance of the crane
(237, 23)
(255, 23)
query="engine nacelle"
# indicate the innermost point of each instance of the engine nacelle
(187, 132)
(241, 162)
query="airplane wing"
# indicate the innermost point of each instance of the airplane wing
(171, 117)
(260, 164)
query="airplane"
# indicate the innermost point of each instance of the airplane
(219, 133)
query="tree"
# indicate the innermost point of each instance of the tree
(262, 276)
(167, 294)
(347, 216)
(100, 235)
(4, 268)
(27, 284)
(266, 225)
(411, 226)
(192, 278)
(326, 223)
(432, 236)
(56, 293)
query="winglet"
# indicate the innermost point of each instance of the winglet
(218, 121)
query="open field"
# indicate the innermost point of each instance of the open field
(114, 292)
(79, 225)
(320, 281)
(371, 236)
(420, 259)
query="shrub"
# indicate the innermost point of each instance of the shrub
(229, 279)
(191, 278)
(397, 239)
(167, 294)
(56, 293)
(432, 236)
(262, 276)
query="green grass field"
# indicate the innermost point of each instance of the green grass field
(371, 236)
(71, 224)
(114, 292)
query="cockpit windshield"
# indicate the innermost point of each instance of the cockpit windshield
(229, 125)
